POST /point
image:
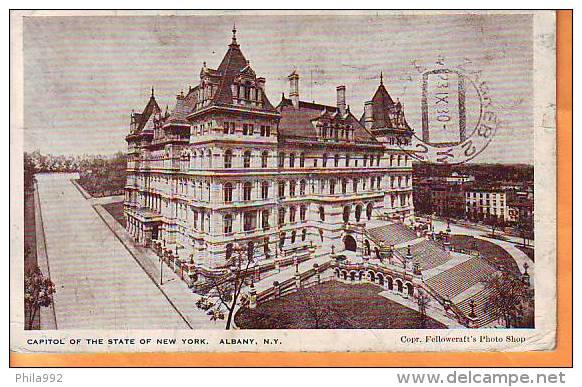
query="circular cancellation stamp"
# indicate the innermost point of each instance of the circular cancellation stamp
(458, 121)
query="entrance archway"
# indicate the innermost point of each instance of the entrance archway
(350, 243)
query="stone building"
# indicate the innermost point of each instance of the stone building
(226, 166)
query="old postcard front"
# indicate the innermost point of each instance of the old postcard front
(283, 181)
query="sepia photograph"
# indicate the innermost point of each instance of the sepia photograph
(277, 180)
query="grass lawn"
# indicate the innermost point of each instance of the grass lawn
(527, 250)
(333, 305)
(116, 210)
(492, 253)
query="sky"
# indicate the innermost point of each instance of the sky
(84, 75)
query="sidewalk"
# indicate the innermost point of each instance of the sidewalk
(48, 319)
(174, 289)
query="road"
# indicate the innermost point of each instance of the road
(99, 285)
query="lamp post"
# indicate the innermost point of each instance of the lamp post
(162, 268)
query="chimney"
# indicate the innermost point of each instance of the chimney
(294, 88)
(341, 99)
(368, 114)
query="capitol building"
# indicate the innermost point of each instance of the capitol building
(227, 167)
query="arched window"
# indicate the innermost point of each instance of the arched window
(355, 185)
(264, 159)
(228, 224)
(358, 212)
(292, 188)
(322, 213)
(344, 186)
(228, 159)
(336, 160)
(228, 193)
(292, 212)
(346, 214)
(399, 160)
(302, 212)
(209, 156)
(292, 160)
(369, 209)
(348, 157)
(282, 240)
(281, 160)
(247, 191)
(302, 185)
(365, 160)
(281, 216)
(193, 160)
(293, 236)
(303, 234)
(325, 159)
(265, 190)
(247, 159)
(302, 160)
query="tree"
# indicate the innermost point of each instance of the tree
(525, 229)
(494, 223)
(38, 292)
(422, 300)
(511, 299)
(228, 286)
(29, 171)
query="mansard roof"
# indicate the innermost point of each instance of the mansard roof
(386, 113)
(300, 122)
(233, 65)
(151, 108)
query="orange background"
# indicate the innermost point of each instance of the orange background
(561, 357)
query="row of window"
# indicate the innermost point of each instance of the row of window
(247, 188)
(247, 129)
(294, 160)
(299, 160)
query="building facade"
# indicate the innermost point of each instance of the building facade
(226, 166)
(484, 203)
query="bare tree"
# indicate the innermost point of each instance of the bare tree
(511, 299)
(314, 307)
(228, 286)
(38, 292)
(422, 300)
(494, 223)
(525, 229)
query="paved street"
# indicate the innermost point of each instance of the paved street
(99, 285)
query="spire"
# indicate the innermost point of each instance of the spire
(381, 78)
(152, 92)
(234, 43)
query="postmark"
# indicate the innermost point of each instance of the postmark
(450, 95)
